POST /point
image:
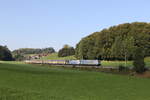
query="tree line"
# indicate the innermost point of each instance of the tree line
(20, 54)
(115, 43)
(33, 51)
(5, 53)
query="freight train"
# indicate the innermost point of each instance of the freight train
(66, 62)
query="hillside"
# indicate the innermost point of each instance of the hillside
(54, 56)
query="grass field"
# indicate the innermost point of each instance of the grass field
(20, 81)
(129, 63)
(54, 56)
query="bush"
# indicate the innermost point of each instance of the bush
(138, 62)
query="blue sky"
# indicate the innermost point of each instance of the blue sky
(53, 23)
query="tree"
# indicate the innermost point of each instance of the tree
(66, 51)
(139, 65)
(82, 49)
(5, 54)
(128, 48)
(48, 50)
(116, 51)
(66, 46)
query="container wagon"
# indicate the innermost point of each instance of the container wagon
(66, 62)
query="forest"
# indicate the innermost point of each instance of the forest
(115, 43)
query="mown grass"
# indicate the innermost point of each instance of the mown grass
(20, 81)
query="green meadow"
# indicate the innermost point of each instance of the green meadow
(19, 81)
(54, 56)
(128, 64)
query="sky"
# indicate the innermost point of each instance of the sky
(54, 23)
